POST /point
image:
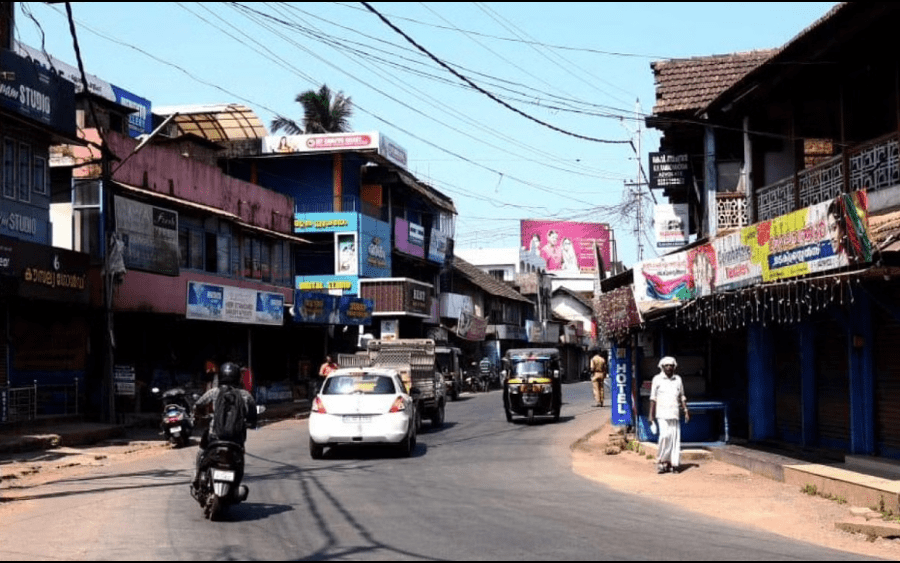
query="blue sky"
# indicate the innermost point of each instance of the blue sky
(577, 76)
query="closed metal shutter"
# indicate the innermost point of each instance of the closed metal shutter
(832, 385)
(886, 359)
(788, 412)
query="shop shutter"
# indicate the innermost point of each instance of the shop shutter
(832, 385)
(788, 417)
(886, 359)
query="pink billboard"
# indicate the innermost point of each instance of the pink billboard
(567, 246)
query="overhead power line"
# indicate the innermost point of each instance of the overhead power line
(485, 92)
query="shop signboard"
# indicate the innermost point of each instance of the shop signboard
(150, 234)
(322, 308)
(36, 93)
(336, 285)
(621, 385)
(36, 271)
(213, 302)
(669, 171)
(409, 238)
(326, 222)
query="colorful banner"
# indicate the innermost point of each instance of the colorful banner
(816, 239)
(565, 246)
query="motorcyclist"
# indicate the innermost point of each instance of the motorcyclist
(229, 377)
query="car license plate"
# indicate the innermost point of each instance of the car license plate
(222, 475)
(357, 418)
(176, 430)
(529, 399)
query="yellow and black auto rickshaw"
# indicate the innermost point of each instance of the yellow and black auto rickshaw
(531, 383)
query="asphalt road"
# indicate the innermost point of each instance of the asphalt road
(479, 488)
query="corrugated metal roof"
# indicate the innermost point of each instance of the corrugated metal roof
(217, 122)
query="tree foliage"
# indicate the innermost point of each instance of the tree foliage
(323, 112)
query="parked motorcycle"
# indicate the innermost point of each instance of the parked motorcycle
(476, 382)
(177, 423)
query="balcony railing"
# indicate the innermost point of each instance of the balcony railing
(872, 166)
(349, 204)
(731, 210)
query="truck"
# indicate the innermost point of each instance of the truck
(414, 359)
(449, 361)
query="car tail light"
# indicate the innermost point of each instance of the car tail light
(318, 406)
(398, 406)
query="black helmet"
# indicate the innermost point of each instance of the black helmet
(229, 374)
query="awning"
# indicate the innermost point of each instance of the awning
(211, 211)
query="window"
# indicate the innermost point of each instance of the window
(205, 245)
(9, 168)
(41, 181)
(24, 175)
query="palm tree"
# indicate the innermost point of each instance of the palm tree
(323, 112)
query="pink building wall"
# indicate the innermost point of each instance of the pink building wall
(164, 170)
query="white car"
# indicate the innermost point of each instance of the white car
(362, 406)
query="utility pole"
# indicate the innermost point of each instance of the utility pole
(636, 188)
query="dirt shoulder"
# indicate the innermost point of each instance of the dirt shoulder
(753, 500)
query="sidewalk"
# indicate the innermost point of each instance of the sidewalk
(70, 431)
(870, 487)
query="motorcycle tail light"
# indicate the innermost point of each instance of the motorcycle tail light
(318, 406)
(398, 405)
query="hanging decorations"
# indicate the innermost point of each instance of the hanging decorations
(782, 304)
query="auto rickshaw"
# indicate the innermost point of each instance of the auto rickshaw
(531, 383)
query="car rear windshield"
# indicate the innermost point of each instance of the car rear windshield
(359, 384)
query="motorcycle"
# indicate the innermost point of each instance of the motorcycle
(177, 423)
(220, 470)
(475, 381)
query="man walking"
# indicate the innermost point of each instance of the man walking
(598, 375)
(666, 397)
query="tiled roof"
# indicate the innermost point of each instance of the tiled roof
(485, 281)
(688, 85)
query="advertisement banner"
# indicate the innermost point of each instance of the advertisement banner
(346, 257)
(437, 250)
(34, 92)
(823, 237)
(332, 142)
(212, 302)
(566, 246)
(621, 385)
(375, 245)
(321, 308)
(671, 224)
(471, 327)
(150, 234)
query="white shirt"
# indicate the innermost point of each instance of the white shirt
(668, 395)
